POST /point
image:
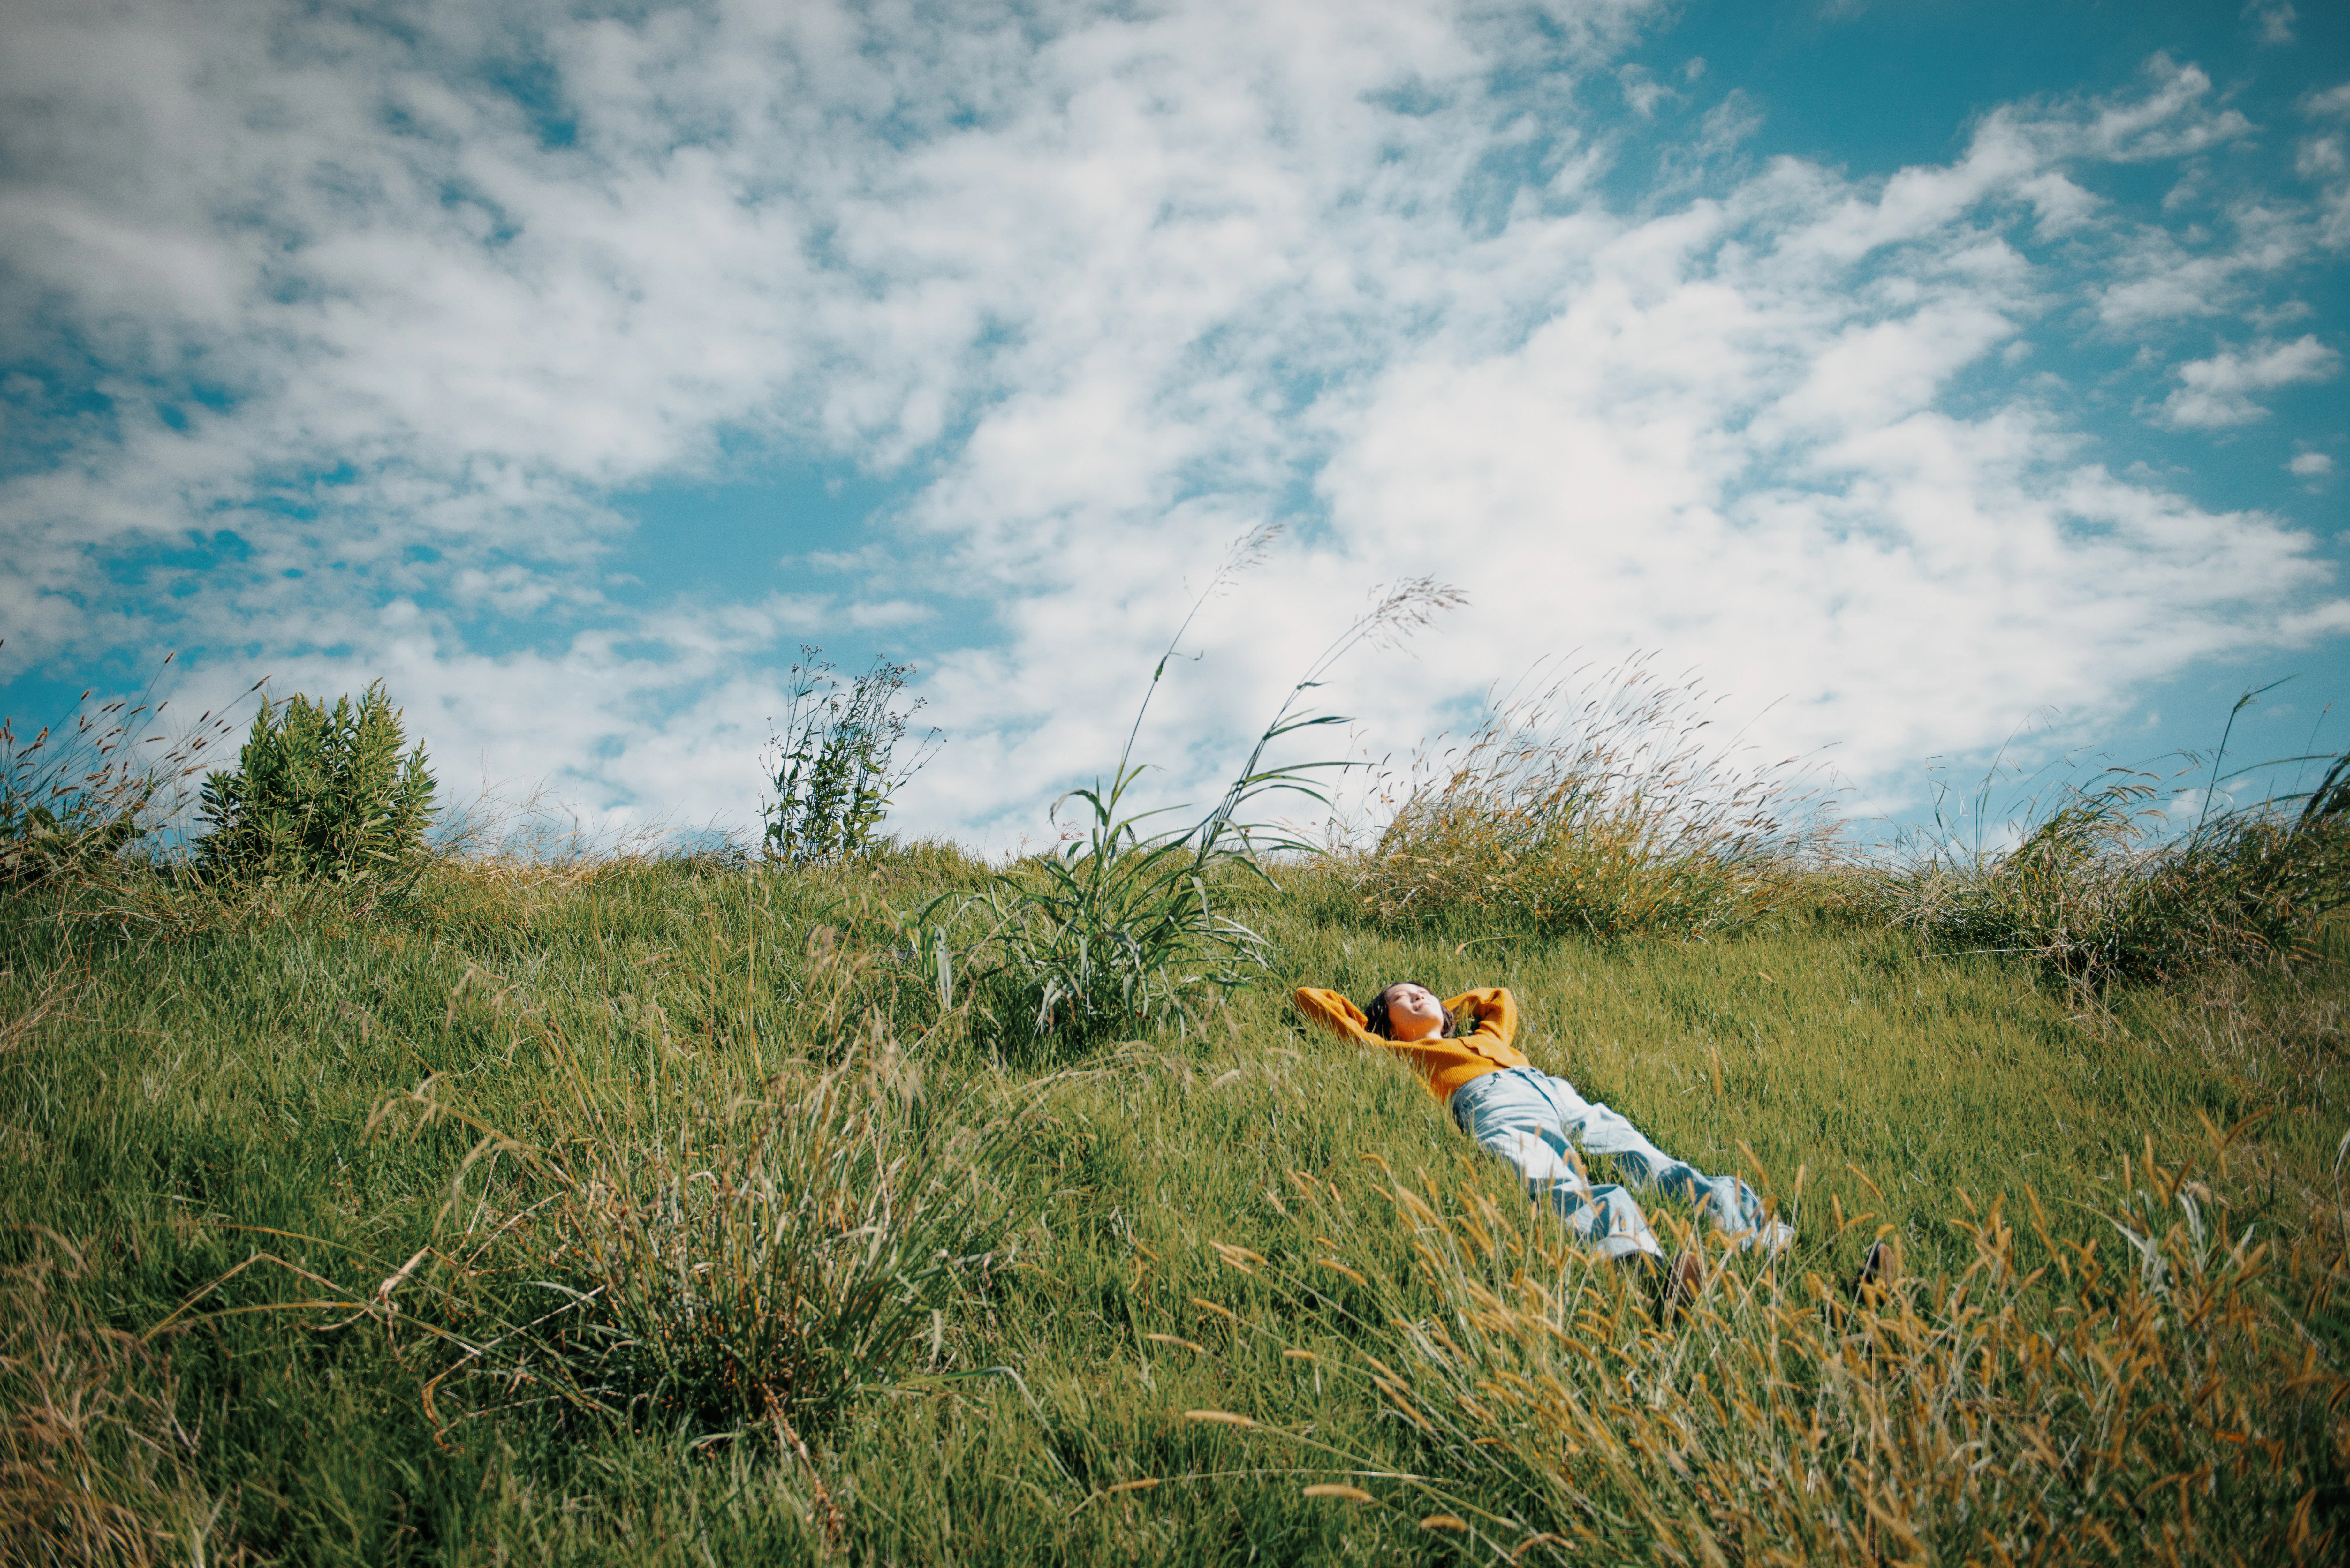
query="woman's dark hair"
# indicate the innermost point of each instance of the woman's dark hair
(1376, 1012)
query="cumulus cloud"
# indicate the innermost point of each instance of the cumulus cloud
(2215, 393)
(2309, 465)
(395, 304)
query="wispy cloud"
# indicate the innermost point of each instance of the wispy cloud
(2272, 22)
(2215, 393)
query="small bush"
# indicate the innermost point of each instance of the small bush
(1603, 816)
(319, 795)
(833, 766)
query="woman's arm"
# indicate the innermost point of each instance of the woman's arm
(1335, 1013)
(1491, 1010)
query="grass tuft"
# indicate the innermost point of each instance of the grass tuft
(1595, 810)
(768, 1256)
(2097, 893)
(95, 1467)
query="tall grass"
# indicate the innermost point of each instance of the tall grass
(2159, 1400)
(1119, 932)
(75, 794)
(1595, 806)
(1127, 927)
(2100, 891)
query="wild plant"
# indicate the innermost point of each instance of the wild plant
(1124, 928)
(833, 766)
(2170, 1404)
(320, 794)
(76, 796)
(1594, 806)
(2096, 891)
(759, 1258)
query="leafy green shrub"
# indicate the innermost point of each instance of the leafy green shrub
(75, 795)
(1602, 816)
(319, 795)
(2092, 893)
(834, 765)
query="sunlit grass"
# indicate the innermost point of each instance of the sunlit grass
(228, 1119)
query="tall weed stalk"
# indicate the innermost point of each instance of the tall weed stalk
(1125, 927)
(835, 765)
(75, 795)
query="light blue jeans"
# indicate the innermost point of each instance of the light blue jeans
(1537, 1122)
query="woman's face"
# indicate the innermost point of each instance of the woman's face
(1413, 1012)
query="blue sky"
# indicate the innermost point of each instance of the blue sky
(1915, 372)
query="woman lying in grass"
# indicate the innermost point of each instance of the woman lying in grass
(1537, 1122)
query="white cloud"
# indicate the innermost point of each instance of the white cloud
(1107, 289)
(2309, 465)
(1642, 90)
(2324, 159)
(2170, 121)
(2275, 22)
(2216, 392)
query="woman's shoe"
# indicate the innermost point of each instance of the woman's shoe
(1684, 1281)
(1876, 1272)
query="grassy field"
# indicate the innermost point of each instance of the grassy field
(593, 1213)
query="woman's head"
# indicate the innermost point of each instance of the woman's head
(1407, 1010)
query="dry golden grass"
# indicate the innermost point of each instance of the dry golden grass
(95, 1467)
(2151, 1401)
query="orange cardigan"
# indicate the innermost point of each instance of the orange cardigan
(1444, 1064)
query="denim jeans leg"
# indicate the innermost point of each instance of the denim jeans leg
(1728, 1202)
(1512, 1117)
